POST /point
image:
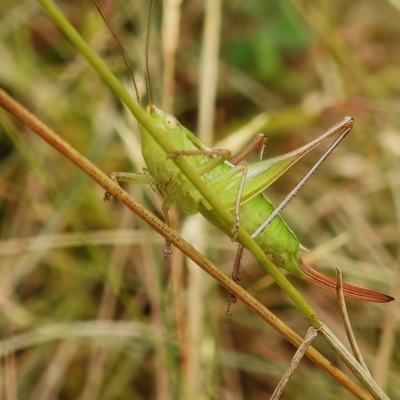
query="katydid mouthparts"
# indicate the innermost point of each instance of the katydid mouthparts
(239, 189)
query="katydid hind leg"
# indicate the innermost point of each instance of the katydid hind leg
(307, 272)
(258, 142)
(237, 266)
(302, 182)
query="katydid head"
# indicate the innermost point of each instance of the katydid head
(165, 120)
(170, 122)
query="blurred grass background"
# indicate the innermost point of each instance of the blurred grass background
(89, 307)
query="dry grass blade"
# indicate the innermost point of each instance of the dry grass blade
(310, 335)
(346, 321)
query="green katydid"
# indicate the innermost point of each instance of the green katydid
(239, 188)
(237, 185)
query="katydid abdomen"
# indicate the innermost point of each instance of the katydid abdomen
(279, 242)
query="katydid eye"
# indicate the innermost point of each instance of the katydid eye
(170, 122)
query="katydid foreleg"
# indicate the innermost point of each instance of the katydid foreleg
(139, 178)
(133, 177)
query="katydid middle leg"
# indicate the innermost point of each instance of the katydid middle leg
(237, 265)
(258, 142)
(167, 250)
